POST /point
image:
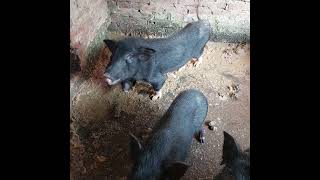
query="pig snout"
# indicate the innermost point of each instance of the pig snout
(109, 79)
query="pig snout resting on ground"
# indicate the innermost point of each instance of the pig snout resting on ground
(163, 155)
(237, 162)
(150, 60)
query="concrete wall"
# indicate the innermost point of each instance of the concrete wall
(230, 19)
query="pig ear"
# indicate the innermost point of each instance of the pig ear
(176, 169)
(230, 149)
(135, 146)
(110, 44)
(145, 54)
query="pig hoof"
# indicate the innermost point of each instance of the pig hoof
(126, 90)
(158, 95)
(198, 62)
(155, 97)
(201, 136)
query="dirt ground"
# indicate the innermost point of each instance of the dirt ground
(102, 117)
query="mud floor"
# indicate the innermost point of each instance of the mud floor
(102, 117)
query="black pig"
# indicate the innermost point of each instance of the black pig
(163, 155)
(237, 162)
(150, 60)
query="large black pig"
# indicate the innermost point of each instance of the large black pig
(163, 154)
(150, 60)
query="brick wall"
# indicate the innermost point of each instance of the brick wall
(230, 19)
(86, 18)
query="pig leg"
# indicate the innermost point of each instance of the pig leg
(127, 85)
(157, 84)
(201, 135)
(199, 60)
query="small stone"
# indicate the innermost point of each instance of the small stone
(212, 123)
(215, 128)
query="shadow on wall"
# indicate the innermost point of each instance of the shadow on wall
(74, 62)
